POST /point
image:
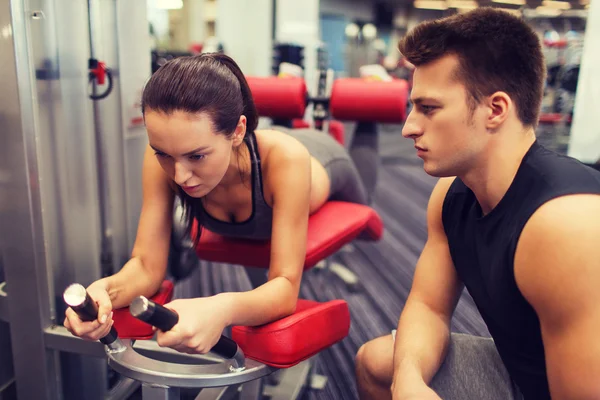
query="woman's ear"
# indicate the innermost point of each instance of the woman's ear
(240, 131)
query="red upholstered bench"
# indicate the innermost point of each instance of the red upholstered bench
(314, 326)
(331, 227)
(129, 327)
(281, 344)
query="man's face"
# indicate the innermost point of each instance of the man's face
(448, 134)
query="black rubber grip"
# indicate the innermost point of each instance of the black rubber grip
(88, 311)
(225, 347)
(159, 316)
(165, 319)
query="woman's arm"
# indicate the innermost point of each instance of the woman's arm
(145, 271)
(202, 320)
(289, 179)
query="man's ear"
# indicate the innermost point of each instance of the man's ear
(499, 105)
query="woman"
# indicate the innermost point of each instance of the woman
(234, 180)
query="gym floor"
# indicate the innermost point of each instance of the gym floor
(385, 268)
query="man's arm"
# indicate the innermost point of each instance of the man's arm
(557, 268)
(424, 326)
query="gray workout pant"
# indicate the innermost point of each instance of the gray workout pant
(346, 181)
(474, 370)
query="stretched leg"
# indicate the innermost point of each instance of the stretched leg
(364, 152)
(374, 369)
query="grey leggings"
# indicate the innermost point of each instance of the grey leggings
(353, 173)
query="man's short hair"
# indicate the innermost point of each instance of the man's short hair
(497, 51)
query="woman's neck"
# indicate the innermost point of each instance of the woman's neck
(239, 168)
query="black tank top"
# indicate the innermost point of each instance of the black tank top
(258, 225)
(483, 250)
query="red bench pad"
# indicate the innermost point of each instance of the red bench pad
(357, 99)
(329, 229)
(293, 339)
(554, 118)
(129, 327)
(276, 97)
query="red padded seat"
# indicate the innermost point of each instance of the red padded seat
(290, 340)
(554, 118)
(329, 229)
(276, 97)
(129, 327)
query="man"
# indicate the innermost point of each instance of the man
(514, 223)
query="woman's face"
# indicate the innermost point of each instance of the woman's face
(189, 149)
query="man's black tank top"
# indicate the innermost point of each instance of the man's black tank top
(483, 250)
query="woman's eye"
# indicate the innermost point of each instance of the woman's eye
(197, 157)
(159, 154)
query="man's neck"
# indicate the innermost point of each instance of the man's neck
(494, 172)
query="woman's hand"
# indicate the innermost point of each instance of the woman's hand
(201, 323)
(97, 329)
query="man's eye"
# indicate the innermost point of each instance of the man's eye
(427, 109)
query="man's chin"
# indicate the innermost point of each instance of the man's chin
(436, 171)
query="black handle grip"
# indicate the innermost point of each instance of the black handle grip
(86, 309)
(165, 319)
(225, 347)
(153, 313)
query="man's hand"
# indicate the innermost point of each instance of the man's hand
(418, 392)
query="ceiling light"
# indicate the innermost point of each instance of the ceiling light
(369, 31)
(169, 4)
(548, 11)
(431, 4)
(515, 2)
(559, 5)
(352, 30)
(463, 4)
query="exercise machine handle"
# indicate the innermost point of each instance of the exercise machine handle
(165, 319)
(80, 301)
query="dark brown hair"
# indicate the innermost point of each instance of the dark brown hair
(210, 83)
(497, 51)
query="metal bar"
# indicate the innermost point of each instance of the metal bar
(219, 393)
(106, 251)
(292, 384)
(152, 392)
(252, 390)
(3, 305)
(123, 389)
(60, 339)
(133, 365)
(21, 235)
